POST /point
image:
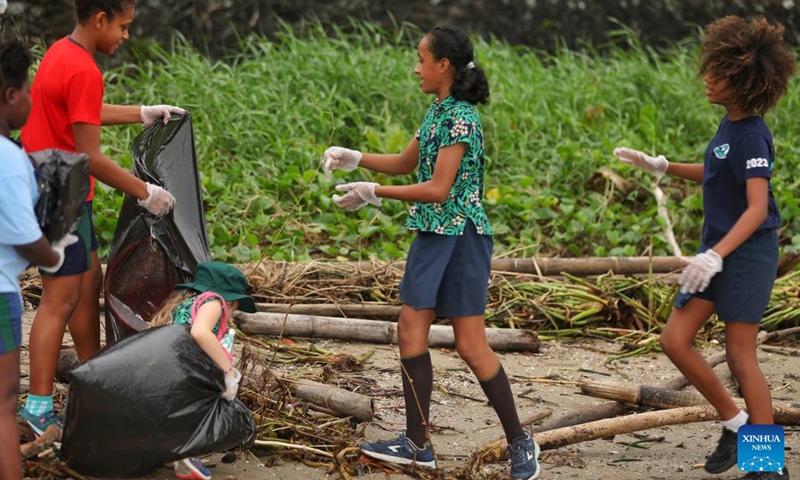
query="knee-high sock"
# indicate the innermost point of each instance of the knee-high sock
(417, 372)
(498, 391)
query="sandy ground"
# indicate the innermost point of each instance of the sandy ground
(463, 425)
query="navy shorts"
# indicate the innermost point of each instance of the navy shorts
(741, 291)
(10, 322)
(448, 273)
(78, 256)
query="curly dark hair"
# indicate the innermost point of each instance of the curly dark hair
(84, 9)
(752, 57)
(15, 60)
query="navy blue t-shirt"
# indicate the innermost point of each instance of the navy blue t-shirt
(740, 150)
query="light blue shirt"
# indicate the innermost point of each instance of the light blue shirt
(18, 224)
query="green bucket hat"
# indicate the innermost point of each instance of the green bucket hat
(223, 279)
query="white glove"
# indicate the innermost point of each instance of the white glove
(231, 384)
(59, 246)
(151, 113)
(158, 201)
(701, 269)
(655, 165)
(358, 195)
(3, 6)
(339, 158)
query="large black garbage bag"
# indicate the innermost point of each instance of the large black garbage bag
(63, 181)
(149, 255)
(147, 400)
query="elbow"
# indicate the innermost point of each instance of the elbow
(440, 196)
(197, 333)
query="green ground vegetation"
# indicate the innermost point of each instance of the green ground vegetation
(263, 118)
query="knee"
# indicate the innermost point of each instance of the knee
(472, 352)
(60, 306)
(670, 344)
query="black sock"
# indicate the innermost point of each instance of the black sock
(498, 391)
(418, 399)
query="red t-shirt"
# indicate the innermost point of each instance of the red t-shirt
(67, 89)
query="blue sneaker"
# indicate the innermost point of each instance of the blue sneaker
(191, 469)
(524, 458)
(39, 423)
(401, 451)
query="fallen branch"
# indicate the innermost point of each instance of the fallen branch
(546, 266)
(497, 448)
(340, 401)
(785, 414)
(268, 443)
(372, 331)
(642, 395)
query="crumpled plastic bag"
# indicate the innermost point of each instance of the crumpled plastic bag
(150, 254)
(63, 181)
(149, 399)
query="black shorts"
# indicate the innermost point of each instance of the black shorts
(741, 291)
(78, 256)
(448, 273)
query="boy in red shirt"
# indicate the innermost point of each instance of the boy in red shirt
(67, 113)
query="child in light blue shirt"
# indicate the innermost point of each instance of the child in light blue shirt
(21, 241)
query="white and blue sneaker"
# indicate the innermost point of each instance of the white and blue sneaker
(524, 454)
(400, 451)
(191, 469)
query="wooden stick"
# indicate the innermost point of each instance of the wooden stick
(785, 414)
(374, 331)
(268, 443)
(340, 401)
(546, 266)
(31, 449)
(642, 395)
(497, 448)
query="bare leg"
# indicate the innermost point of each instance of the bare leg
(10, 459)
(84, 323)
(472, 346)
(677, 342)
(413, 328)
(740, 345)
(59, 297)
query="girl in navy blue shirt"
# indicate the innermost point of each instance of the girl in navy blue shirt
(746, 67)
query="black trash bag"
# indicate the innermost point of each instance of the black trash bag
(63, 181)
(149, 399)
(149, 255)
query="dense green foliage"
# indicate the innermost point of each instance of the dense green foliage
(263, 118)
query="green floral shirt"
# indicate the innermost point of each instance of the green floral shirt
(447, 123)
(182, 315)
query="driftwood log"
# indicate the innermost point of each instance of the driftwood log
(374, 331)
(545, 266)
(785, 414)
(341, 401)
(641, 395)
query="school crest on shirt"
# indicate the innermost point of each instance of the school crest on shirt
(722, 150)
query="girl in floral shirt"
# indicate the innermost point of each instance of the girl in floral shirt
(448, 265)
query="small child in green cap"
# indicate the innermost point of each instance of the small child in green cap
(205, 303)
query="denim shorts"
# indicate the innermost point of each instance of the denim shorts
(448, 273)
(741, 291)
(10, 322)
(78, 256)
